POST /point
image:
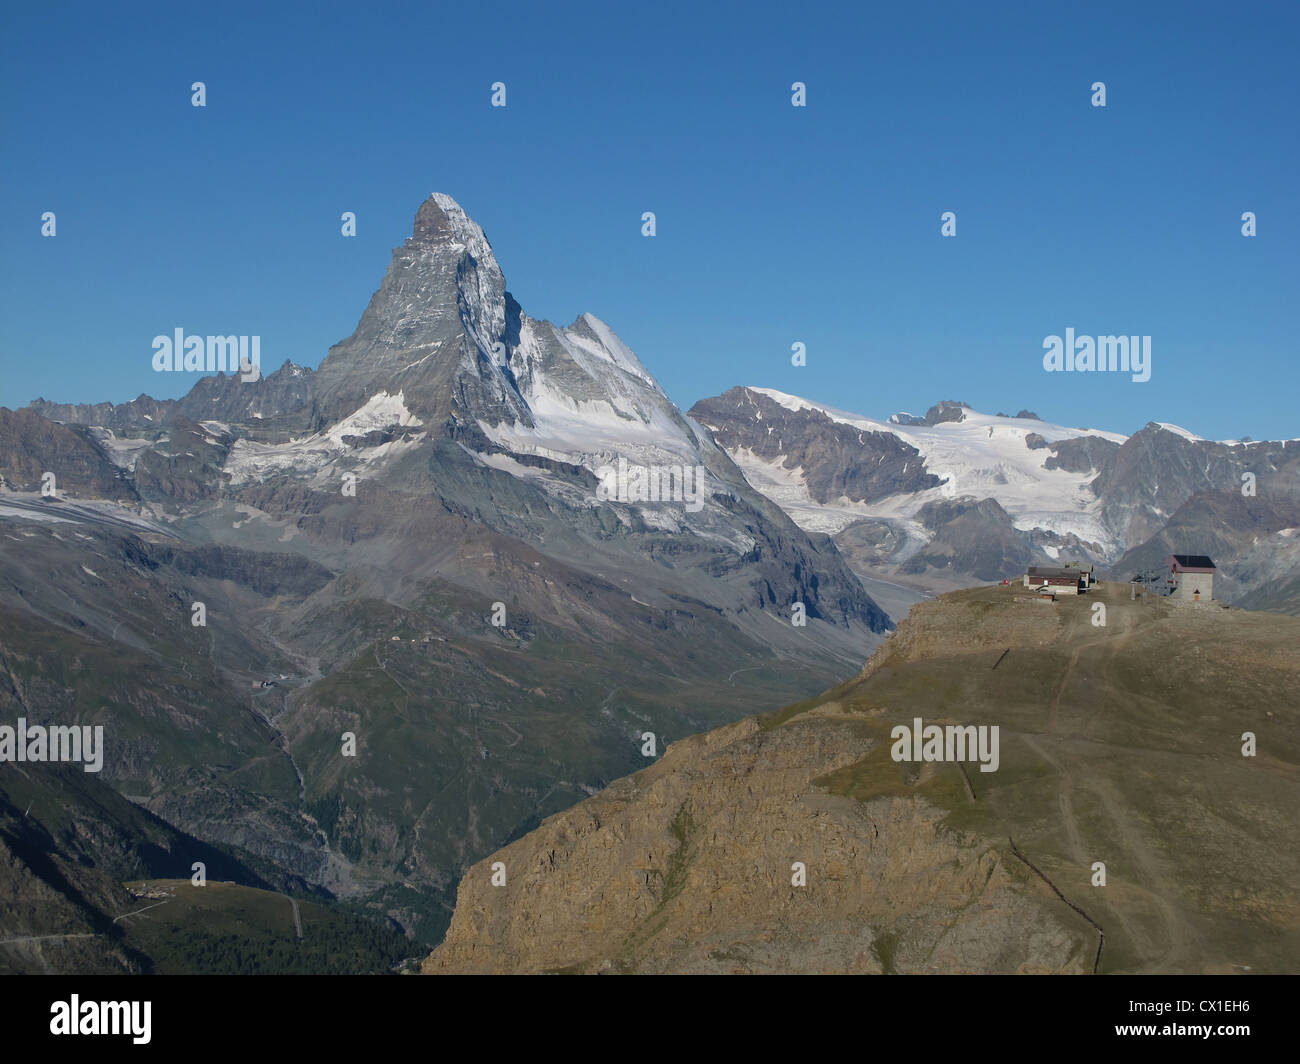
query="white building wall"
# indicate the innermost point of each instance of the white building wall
(1189, 583)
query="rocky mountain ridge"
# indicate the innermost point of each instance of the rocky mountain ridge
(1030, 493)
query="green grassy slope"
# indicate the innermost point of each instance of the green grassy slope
(226, 929)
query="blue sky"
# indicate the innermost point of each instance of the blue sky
(775, 224)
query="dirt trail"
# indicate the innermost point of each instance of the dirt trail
(1128, 841)
(1143, 852)
(45, 938)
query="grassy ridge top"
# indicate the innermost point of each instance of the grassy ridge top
(1120, 744)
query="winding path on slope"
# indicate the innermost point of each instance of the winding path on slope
(1128, 838)
(46, 938)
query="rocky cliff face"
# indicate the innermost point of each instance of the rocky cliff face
(33, 446)
(1157, 470)
(688, 867)
(1081, 455)
(431, 330)
(273, 408)
(1251, 540)
(835, 460)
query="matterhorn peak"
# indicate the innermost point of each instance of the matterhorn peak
(436, 329)
(442, 221)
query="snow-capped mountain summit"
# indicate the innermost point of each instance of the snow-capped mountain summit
(828, 468)
(590, 401)
(960, 496)
(471, 365)
(432, 331)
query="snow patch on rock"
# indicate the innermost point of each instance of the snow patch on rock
(313, 456)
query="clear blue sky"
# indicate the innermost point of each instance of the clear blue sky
(775, 224)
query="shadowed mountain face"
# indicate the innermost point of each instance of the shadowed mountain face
(1239, 503)
(33, 446)
(68, 841)
(1252, 540)
(799, 842)
(835, 459)
(362, 625)
(1157, 470)
(1079, 455)
(73, 853)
